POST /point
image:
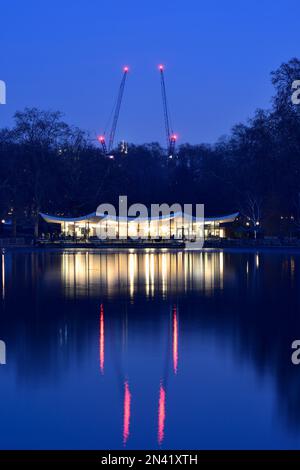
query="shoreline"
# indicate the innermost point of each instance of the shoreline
(102, 249)
(224, 245)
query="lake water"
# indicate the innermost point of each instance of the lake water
(149, 350)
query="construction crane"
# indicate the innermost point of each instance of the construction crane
(171, 137)
(107, 148)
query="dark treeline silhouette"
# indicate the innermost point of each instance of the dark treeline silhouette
(48, 166)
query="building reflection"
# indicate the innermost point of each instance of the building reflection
(148, 272)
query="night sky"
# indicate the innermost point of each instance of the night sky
(68, 55)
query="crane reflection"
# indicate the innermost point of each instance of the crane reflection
(175, 340)
(171, 351)
(161, 414)
(101, 340)
(3, 275)
(126, 412)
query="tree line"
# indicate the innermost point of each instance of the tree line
(49, 166)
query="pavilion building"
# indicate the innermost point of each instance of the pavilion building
(174, 226)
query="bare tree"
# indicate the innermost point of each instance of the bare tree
(252, 211)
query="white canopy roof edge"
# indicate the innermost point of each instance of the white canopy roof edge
(95, 218)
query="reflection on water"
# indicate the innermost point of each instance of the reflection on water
(101, 339)
(146, 272)
(161, 414)
(175, 340)
(126, 415)
(3, 275)
(150, 349)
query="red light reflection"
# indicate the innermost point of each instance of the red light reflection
(175, 340)
(126, 413)
(101, 340)
(161, 414)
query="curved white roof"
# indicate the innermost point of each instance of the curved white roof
(95, 218)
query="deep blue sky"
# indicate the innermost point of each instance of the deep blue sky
(68, 55)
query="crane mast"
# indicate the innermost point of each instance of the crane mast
(101, 139)
(171, 137)
(117, 110)
(107, 148)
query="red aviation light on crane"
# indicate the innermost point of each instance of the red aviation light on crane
(161, 67)
(126, 69)
(174, 137)
(101, 138)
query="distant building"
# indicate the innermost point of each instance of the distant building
(165, 228)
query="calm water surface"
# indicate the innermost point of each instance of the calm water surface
(149, 350)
